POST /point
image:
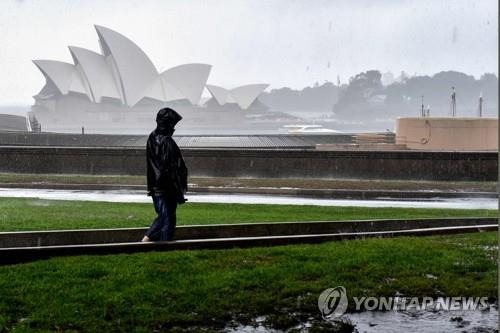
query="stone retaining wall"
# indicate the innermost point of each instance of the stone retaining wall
(419, 165)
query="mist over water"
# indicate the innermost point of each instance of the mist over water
(368, 103)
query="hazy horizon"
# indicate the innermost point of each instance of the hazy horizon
(206, 95)
(284, 43)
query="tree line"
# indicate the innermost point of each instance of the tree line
(365, 96)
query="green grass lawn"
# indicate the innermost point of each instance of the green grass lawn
(206, 289)
(190, 290)
(17, 214)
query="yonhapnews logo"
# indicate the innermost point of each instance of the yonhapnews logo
(332, 302)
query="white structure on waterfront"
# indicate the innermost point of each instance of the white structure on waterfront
(121, 73)
(119, 90)
(244, 96)
(14, 123)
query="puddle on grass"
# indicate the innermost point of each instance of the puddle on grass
(477, 321)
(140, 196)
(426, 321)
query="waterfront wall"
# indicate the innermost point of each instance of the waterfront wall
(257, 141)
(424, 165)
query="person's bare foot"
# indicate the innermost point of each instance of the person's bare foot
(145, 239)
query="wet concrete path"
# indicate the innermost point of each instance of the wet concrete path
(139, 196)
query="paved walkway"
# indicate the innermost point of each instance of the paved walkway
(140, 197)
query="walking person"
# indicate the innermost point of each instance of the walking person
(166, 176)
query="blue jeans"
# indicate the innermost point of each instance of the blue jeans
(163, 226)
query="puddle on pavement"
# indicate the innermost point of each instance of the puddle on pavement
(140, 196)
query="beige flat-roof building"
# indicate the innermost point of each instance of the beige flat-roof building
(447, 133)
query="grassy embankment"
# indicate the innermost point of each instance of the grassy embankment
(190, 290)
(353, 184)
(18, 214)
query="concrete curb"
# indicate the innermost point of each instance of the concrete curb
(18, 255)
(126, 235)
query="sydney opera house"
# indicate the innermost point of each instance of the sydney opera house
(120, 90)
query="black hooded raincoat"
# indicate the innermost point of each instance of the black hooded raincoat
(166, 170)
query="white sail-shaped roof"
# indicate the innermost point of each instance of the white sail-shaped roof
(172, 93)
(244, 96)
(164, 91)
(97, 72)
(123, 71)
(136, 71)
(189, 80)
(220, 94)
(156, 90)
(62, 75)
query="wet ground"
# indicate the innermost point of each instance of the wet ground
(139, 196)
(426, 321)
(477, 321)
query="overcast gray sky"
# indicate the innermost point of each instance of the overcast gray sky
(284, 43)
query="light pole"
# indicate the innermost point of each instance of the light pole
(422, 111)
(453, 105)
(480, 104)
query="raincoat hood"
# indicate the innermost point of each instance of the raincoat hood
(166, 119)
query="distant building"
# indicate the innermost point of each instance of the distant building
(120, 87)
(243, 96)
(11, 123)
(122, 74)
